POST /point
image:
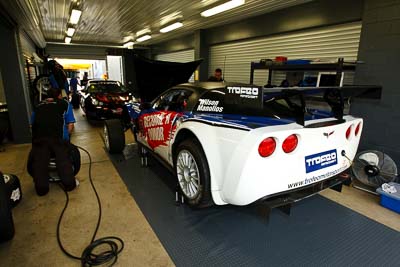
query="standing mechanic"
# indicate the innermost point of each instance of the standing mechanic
(52, 123)
(217, 76)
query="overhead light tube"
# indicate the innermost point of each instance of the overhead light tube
(70, 31)
(128, 44)
(144, 38)
(75, 16)
(68, 40)
(221, 8)
(171, 27)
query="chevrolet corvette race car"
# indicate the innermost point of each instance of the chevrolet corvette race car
(104, 99)
(238, 144)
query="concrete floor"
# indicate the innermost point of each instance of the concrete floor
(35, 218)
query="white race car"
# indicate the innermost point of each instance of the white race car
(238, 144)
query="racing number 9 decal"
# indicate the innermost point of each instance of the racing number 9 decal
(158, 128)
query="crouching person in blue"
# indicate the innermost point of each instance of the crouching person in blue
(52, 123)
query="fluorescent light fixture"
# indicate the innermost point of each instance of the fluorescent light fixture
(171, 27)
(128, 44)
(75, 16)
(68, 40)
(221, 8)
(143, 38)
(143, 32)
(70, 31)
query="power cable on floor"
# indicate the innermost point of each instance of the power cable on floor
(111, 245)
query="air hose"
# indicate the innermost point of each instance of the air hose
(111, 245)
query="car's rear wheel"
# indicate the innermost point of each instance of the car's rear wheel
(6, 220)
(114, 136)
(193, 174)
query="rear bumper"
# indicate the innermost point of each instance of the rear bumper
(292, 196)
(250, 177)
(103, 114)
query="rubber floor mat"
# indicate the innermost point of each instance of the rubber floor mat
(319, 232)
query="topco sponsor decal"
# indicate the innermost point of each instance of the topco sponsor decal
(321, 160)
(244, 92)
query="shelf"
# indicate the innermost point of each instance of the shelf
(304, 67)
(339, 67)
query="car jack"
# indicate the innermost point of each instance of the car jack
(179, 199)
(143, 157)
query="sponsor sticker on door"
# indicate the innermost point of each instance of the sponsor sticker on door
(321, 160)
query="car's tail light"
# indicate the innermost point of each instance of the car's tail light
(358, 128)
(348, 133)
(290, 143)
(267, 147)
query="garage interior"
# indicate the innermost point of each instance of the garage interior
(138, 204)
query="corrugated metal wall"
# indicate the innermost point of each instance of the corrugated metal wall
(326, 43)
(180, 56)
(76, 51)
(27, 48)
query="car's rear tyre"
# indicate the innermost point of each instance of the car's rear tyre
(13, 189)
(193, 174)
(114, 136)
(6, 220)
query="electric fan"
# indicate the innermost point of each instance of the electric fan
(371, 169)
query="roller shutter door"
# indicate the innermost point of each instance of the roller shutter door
(181, 56)
(76, 52)
(27, 49)
(325, 43)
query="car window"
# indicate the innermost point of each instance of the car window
(215, 101)
(173, 100)
(211, 102)
(106, 87)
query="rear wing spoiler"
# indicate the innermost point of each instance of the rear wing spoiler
(335, 97)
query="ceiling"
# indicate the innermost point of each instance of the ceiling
(113, 22)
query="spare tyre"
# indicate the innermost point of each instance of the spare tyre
(13, 189)
(41, 87)
(74, 155)
(6, 220)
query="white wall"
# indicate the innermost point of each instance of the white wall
(114, 68)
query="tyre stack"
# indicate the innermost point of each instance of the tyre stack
(10, 196)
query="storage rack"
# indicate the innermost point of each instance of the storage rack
(338, 67)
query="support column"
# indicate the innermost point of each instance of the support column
(16, 94)
(380, 50)
(201, 51)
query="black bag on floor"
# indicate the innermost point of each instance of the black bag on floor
(75, 101)
(6, 220)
